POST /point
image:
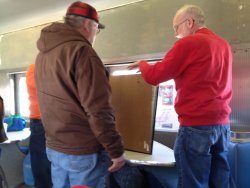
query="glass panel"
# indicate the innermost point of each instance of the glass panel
(12, 97)
(23, 97)
(166, 117)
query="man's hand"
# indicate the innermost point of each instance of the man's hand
(118, 163)
(133, 65)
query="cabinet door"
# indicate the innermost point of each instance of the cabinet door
(134, 104)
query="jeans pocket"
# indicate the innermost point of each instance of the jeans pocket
(104, 159)
(48, 152)
(72, 163)
(225, 136)
(199, 141)
(80, 163)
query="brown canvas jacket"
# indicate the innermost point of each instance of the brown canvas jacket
(74, 94)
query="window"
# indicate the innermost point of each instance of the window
(166, 118)
(21, 105)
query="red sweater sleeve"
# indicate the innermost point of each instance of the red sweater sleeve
(200, 65)
(171, 66)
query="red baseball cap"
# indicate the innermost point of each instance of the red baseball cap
(85, 10)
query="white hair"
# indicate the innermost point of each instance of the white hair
(195, 12)
(74, 20)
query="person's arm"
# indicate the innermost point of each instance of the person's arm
(1, 109)
(170, 67)
(134, 65)
(117, 163)
(3, 136)
(95, 97)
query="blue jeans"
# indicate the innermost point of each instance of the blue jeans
(39, 162)
(69, 170)
(201, 156)
(157, 176)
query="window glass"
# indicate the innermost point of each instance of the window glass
(12, 96)
(166, 118)
(23, 97)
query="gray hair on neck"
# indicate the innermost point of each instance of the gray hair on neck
(74, 20)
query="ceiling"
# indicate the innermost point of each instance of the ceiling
(19, 14)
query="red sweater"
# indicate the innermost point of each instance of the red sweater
(201, 66)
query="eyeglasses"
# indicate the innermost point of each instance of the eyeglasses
(98, 30)
(175, 27)
(96, 26)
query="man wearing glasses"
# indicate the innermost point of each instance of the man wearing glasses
(200, 63)
(74, 96)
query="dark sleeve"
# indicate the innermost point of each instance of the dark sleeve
(1, 108)
(95, 96)
(3, 136)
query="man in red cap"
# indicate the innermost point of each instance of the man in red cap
(74, 96)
